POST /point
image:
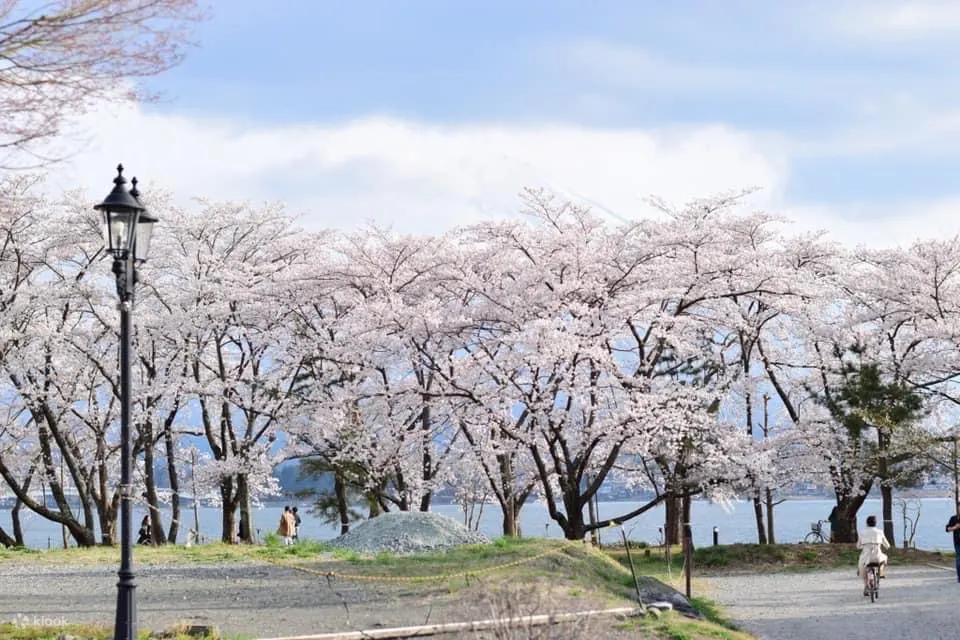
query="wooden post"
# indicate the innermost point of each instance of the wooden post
(196, 508)
(633, 570)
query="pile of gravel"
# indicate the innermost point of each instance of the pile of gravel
(407, 532)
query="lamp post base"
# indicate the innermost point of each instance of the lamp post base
(126, 623)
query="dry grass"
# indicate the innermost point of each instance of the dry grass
(513, 605)
(97, 632)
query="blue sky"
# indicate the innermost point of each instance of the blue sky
(423, 113)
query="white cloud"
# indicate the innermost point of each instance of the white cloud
(898, 123)
(425, 178)
(880, 20)
(418, 177)
(880, 225)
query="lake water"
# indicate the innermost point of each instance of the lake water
(735, 522)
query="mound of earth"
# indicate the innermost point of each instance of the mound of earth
(407, 532)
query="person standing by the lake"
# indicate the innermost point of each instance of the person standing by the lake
(954, 525)
(832, 518)
(287, 525)
(296, 524)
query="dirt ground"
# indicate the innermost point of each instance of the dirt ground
(260, 600)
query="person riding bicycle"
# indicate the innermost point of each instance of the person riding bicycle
(872, 542)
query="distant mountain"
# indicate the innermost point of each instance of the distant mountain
(288, 473)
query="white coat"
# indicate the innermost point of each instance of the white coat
(872, 542)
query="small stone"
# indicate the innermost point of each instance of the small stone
(653, 611)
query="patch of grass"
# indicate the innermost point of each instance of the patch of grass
(274, 549)
(9, 631)
(711, 611)
(216, 552)
(143, 555)
(457, 560)
(765, 558)
(672, 626)
(652, 564)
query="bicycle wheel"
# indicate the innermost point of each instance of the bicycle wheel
(874, 580)
(813, 538)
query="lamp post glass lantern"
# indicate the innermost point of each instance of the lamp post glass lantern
(127, 231)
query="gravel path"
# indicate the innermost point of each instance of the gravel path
(253, 600)
(916, 603)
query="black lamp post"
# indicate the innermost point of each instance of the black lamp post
(127, 226)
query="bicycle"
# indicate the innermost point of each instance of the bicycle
(816, 534)
(873, 580)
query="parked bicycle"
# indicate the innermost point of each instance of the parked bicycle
(817, 533)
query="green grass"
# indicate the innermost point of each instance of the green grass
(217, 552)
(144, 555)
(711, 611)
(673, 626)
(94, 632)
(764, 558)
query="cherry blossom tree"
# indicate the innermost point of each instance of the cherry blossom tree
(593, 329)
(394, 420)
(64, 57)
(220, 272)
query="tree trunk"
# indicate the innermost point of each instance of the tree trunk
(847, 508)
(247, 533)
(82, 533)
(343, 506)
(574, 527)
(171, 452)
(510, 502)
(770, 537)
(6, 540)
(748, 400)
(510, 519)
(227, 515)
(108, 525)
(671, 525)
(425, 501)
(15, 515)
(758, 516)
(886, 500)
(157, 535)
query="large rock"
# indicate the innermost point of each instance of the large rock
(407, 532)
